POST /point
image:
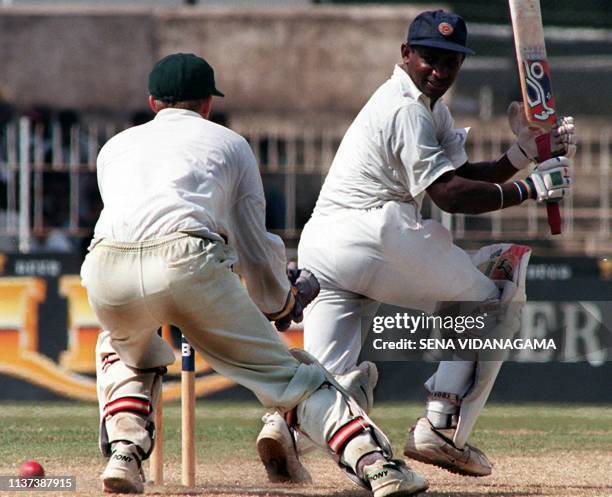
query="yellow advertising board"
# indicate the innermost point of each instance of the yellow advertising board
(34, 291)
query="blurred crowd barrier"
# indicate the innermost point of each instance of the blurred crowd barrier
(49, 200)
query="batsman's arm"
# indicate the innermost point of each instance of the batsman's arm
(455, 194)
(498, 171)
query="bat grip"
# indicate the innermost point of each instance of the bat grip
(554, 217)
(552, 207)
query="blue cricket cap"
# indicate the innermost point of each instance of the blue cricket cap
(439, 29)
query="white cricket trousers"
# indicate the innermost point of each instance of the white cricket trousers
(186, 281)
(388, 255)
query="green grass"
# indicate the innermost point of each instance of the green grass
(69, 430)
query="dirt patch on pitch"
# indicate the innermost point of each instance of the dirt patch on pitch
(558, 475)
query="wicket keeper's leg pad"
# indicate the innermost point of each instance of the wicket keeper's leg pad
(334, 421)
(360, 382)
(127, 398)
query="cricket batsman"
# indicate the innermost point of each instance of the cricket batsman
(368, 243)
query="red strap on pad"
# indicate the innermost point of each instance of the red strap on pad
(345, 433)
(136, 405)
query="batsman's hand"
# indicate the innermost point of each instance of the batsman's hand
(525, 150)
(563, 135)
(550, 180)
(305, 288)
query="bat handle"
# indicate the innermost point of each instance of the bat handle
(554, 217)
(552, 207)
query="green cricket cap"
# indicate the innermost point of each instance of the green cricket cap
(182, 76)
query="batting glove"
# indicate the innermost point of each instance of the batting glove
(305, 288)
(564, 137)
(525, 150)
(550, 180)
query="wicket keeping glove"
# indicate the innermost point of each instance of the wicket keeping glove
(524, 151)
(549, 180)
(305, 288)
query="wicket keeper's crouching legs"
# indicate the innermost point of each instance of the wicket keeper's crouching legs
(186, 281)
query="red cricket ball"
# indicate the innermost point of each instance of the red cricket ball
(31, 469)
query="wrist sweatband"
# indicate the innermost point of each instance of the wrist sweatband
(501, 195)
(527, 188)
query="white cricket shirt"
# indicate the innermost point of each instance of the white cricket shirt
(395, 148)
(180, 172)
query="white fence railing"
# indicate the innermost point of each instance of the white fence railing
(48, 189)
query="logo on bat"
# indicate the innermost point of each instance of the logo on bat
(539, 90)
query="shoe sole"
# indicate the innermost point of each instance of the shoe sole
(120, 486)
(274, 459)
(408, 492)
(451, 468)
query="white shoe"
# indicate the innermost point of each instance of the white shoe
(393, 479)
(435, 446)
(123, 473)
(277, 451)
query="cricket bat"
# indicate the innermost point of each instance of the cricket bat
(536, 86)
